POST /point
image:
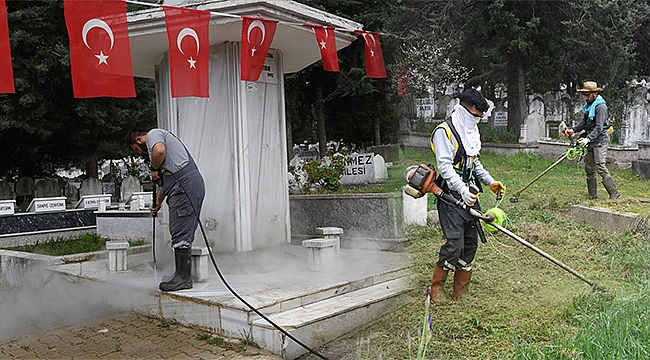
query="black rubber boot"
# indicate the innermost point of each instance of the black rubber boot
(608, 183)
(182, 279)
(592, 188)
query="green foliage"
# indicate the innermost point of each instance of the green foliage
(42, 125)
(497, 136)
(323, 175)
(66, 246)
(60, 246)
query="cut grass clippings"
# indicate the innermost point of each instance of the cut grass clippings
(518, 304)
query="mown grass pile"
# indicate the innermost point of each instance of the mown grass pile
(519, 305)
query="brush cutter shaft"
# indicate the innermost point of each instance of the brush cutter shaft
(559, 160)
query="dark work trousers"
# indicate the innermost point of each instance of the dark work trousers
(183, 222)
(461, 235)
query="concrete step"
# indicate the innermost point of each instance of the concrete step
(320, 322)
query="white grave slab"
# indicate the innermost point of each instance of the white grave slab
(47, 204)
(7, 207)
(360, 171)
(92, 201)
(146, 195)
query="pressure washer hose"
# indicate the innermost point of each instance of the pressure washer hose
(232, 291)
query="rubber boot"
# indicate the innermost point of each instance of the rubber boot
(592, 188)
(439, 276)
(182, 277)
(461, 278)
(608, 183)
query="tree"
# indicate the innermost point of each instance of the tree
(354, 108)
(43, 127)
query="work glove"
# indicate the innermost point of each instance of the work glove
(584, 141)
(568, 133)
(498, 188)
(468, 198)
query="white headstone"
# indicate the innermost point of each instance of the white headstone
(414, 211)
(381, 172)
(360, 171)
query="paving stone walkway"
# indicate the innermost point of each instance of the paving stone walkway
(128, 336)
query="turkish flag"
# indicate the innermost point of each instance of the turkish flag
(327, 44)
(100, 53)
(256, 38)
(6, 71)
(374, 59)
(188, 32)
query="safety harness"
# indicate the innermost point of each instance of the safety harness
(467, 174)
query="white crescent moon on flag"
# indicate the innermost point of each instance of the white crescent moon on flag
(374, 43)
(96, 23)
(187, 32)
(253, 25)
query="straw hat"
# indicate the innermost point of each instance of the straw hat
(589, 86)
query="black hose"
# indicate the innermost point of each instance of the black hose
(232, 291)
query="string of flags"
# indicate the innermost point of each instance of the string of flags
(100, 55)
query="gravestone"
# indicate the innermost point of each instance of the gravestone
(45, 188)
(381, 173)
(534, 126)
(108, 187)
(24, 190)
(360, 171)
(90, 186)
(6, 190)
(72, 192)
(636, 127)
(130, 185)
(442, 107)
(500, 117)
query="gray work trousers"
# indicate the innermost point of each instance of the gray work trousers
(595, 161)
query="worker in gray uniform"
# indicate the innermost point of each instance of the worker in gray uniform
(181, 184)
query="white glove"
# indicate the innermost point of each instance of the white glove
(584, 141)
(468, 198)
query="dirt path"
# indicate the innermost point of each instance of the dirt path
(125, 336)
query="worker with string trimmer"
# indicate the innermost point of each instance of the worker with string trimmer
(456, 143)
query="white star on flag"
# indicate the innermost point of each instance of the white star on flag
(372, 53)
(253, 50)
(192, 63)
(102, 58)
(323, 44)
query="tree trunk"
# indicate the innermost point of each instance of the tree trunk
(320, 118)
(289, 139)
(375, 125)
(517, 104)
(92, 167)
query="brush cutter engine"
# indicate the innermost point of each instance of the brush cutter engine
(421, 180)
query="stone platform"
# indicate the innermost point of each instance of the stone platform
(314, 306)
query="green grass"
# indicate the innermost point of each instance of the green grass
(518, 304)
(69, 245)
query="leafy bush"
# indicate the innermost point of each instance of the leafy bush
(322, 175)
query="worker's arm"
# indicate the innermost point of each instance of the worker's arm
(158, 153)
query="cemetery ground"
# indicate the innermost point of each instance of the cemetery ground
(518, 304)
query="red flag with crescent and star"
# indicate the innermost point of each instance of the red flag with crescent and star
(188, 32)
(6, 71)
(327, 44)
(100, 53)
(256, 38)
(374, 59)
